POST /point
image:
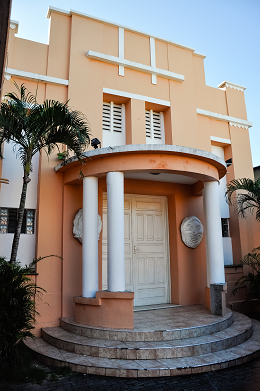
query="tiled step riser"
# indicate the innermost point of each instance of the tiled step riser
(148, 353)
(134, 373)
(243, 353)
(146, 336)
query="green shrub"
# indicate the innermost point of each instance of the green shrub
(17, 309)
(250, 282)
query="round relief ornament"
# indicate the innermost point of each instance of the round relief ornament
(78, 225)
(191, 231)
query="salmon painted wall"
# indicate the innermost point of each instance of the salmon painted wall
(65, 57)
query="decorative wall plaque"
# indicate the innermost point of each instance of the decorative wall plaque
(191, 231)
(78, 225)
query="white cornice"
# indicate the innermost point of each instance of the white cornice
(73, 12)
(14, 25)
(138, 97)
(57, 10)
(237, 125)
(35, 76)
(199, 55)
(226, 118)
(134, 65)
(237, 87)
(220, 140)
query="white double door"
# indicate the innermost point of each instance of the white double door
(146, 249)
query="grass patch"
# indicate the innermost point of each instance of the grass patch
(27, 370)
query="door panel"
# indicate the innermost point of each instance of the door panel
(151, 247)
(146, 255)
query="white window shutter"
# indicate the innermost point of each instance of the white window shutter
(148, 123)
(117, 121)
(154, 123)
(113, 124)
(106, 116)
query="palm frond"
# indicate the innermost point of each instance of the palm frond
(248, 199)
(250, 282)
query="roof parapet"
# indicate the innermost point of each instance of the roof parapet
(73, 12)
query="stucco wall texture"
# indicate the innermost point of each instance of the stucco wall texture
(60, 194)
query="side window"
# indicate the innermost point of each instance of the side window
(225, 228)
(113, 124)
(8, 221)
(154, 124)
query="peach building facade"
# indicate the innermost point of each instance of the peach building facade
(156, 227)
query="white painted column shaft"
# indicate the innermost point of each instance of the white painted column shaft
(90, 237)
(213, 234)
(115, 232)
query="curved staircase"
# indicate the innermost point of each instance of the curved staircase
(164, 342)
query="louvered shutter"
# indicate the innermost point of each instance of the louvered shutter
(148, 123)
(154, 127)
(117, 118)
(106, 116)
(157, 128)
(113, 124)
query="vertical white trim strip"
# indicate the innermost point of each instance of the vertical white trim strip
(123, 124)
(151, 124)
(121, 69)
(162, 127)
(152, 56)
(112, 117)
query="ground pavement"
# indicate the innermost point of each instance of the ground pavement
(244, 377)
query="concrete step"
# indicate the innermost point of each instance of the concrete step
(236, 355)
(237, 333)
(183, 322)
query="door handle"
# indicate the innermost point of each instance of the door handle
(135, 249)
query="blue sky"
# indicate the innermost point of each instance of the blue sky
(226, 31)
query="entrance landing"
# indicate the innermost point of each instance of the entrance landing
(154, 307)
(164, 342)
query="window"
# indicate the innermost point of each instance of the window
(8, 221)
(154, 124)
(113, 124)
(225, 228)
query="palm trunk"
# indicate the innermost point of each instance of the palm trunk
(17, 234)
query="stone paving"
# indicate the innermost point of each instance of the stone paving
(244, 377)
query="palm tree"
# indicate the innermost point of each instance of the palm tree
(248, 200)
(33, 127)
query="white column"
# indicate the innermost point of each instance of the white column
(115, 232)
(213, 234)
(90, 237)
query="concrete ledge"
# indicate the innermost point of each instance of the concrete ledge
(108, 309)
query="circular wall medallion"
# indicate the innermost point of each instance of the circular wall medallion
(191, 231)
(78, 225)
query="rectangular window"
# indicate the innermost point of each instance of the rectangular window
(225, 228)
(113, 124)
(154, 124)
(8, 221)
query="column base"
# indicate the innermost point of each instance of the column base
(218, 299)
(113, 310)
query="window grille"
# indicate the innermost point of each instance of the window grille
(9, 217)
